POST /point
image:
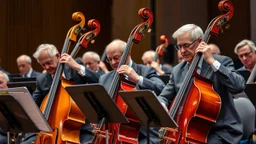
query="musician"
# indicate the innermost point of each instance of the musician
(24, 64)
(48, 57)
(4, 79)
(245, 51)
(214, 48)
(144, 77)
(92, 61)
(219, 69)
(148, 60)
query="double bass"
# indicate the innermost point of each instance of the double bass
(61, 112)
(196, 106)
(162, 47)
(125, 133)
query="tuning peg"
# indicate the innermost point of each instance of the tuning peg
(227, 26)
(149, 30)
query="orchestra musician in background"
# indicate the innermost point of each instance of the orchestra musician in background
(24, 64)
(148, 60)
(245, 51)
(92, 61)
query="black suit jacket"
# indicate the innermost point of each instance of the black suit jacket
(150, 81)
(225, 80)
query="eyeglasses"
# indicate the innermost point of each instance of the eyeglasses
(115, 58)
(90, 63)
(185, 45)
(245, 54)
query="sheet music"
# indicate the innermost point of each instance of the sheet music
(24, 98)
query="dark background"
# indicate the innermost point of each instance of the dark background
(25, 24)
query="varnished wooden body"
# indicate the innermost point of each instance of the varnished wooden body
(197, 116)
(66, 119)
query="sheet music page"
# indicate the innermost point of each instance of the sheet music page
(30, 107)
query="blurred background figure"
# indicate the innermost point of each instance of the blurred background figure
(245, 51)
(4, 79)
(92, 61)
(179, 56)
(148, 60)
(24, 64)
(215, 49)
(3, 84)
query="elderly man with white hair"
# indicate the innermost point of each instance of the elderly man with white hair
(245, 51)
(92, 61)
(4, 79)
(24, 64)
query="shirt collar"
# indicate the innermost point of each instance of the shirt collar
(29, 72)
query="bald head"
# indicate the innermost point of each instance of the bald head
(116, 45)
(91, 60)
(24, 64)
(148, 57)
(114, 51)
(215, 49)
(4, 79)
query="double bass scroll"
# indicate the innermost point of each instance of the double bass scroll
(162, 47)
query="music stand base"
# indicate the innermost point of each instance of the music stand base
(148, 136)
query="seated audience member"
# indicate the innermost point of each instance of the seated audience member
(24, 64)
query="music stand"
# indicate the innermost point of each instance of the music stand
(250, 91)
(96, 104)
(145, 105)
(19, 113)
(30, 85)
(22, 79)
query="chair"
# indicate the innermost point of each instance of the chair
(246, 111)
